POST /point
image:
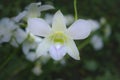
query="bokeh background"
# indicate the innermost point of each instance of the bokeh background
(103, 64)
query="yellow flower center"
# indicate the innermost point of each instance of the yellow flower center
(58, 37)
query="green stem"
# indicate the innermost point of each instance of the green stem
(75, 9)
(84, 43)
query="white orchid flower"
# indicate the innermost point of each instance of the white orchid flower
(58, 39)
(37, 70)
(29, 46)
(97, 42)
(7, 27)
(32, 11)
(18, 37)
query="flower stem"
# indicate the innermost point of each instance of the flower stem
(84, 43)
(75, 9)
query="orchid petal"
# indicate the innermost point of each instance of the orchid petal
(37, 39)
(95, 25)
(20, 16)
(58, 22)
(72, 49)
(43, 47)
(38, 27)
(31, 56)
(97, 42)
(80, 29)
(14, 43)
(33, 11)
(45, 7)
(27, 46)
(20, 35)
(57, 52)
(6, 38)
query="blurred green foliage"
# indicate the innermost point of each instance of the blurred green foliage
(94, 65)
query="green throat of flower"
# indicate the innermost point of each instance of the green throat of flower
(58, 37)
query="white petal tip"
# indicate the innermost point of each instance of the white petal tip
(58, 12)
(77, 58)
(57, 59)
